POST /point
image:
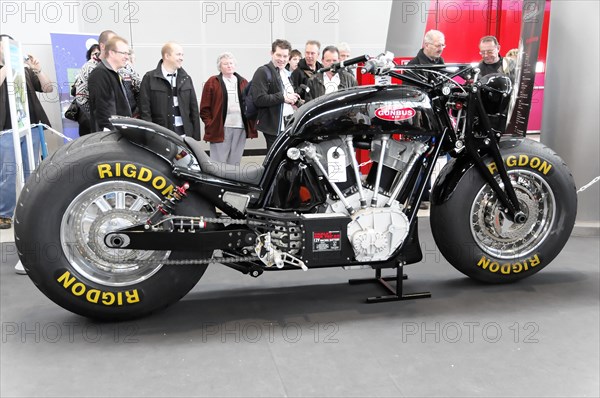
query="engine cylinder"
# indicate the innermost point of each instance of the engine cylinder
(388, 175)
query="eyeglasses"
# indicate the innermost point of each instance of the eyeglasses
(441, 45)
(483, 52)
(122, 52)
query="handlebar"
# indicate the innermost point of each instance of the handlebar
(347, 62)
(426, 76)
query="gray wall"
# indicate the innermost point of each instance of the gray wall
(571, 124)
(408, 20)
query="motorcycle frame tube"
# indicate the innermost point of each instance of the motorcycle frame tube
(477, 147)
(212, 188)
(449, 178)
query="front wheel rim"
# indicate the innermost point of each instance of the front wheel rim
(101, 209)
(496, 234)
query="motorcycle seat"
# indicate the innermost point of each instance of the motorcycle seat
(248, 173)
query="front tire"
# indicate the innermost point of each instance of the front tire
(94, 185)
(474, 234)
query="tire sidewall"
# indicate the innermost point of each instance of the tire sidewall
(450, 220)
(46, 197)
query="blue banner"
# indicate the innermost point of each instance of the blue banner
(69, 56)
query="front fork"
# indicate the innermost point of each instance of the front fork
(488, 144)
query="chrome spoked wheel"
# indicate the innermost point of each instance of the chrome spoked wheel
(100, 209)
(500, 237)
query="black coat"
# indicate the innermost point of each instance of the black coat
(317, 87)
(156, 101)
(422, 59)
(302, 73)
(107, 97)
(268, 98)
(36, 111)
(5, 121)
(499, 67)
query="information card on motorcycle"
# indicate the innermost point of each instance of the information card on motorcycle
(326, 241)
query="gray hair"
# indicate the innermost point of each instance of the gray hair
(431, 35)
(343, 46)
(222, 56)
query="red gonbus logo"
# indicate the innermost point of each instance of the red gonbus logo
(394, 113)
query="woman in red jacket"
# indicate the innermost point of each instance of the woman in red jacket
(225, 125)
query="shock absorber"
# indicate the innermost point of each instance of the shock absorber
(167, 206)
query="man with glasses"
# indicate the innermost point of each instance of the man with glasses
(82, 93)
(434, 43)
(108, 95)
(131, 80)
(491, 61)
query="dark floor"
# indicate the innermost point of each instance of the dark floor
(311, 334)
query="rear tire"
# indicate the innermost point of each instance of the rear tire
(89, 187)
(475, 236)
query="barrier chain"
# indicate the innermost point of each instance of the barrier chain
(586, 186)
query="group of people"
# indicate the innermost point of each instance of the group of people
(108, 85)
(277, 92)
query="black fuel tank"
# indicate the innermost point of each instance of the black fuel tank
(393, 109)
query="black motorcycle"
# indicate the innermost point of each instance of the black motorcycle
(116, 225)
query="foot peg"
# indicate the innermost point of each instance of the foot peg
(270, 256)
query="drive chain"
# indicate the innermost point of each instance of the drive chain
(201, 261)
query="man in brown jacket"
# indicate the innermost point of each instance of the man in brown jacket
(225, 125)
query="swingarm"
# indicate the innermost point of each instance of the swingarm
(184, 234)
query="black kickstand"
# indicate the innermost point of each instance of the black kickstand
(397, 294)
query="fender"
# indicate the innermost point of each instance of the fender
(454, 171)
(158, 140)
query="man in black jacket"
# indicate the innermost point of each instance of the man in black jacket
(273, 92)
(107, 92)
(328, 82)
(308, 66)
(167, 95)
(492, 62)
(434, 43)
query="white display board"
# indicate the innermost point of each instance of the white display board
(19, 107)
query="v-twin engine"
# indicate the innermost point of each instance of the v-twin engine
(378, 224)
